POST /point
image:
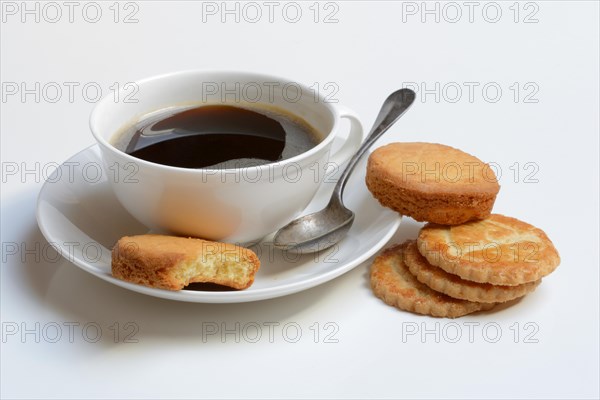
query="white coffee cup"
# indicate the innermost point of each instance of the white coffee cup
(234, 205)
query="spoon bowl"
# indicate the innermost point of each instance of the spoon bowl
(317, 231)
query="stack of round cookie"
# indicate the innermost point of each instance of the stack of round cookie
(465, 259)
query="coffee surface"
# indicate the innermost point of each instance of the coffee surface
(217, 136)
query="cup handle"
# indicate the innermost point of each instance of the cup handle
(354, 139)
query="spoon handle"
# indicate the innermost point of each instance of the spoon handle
(392, 109)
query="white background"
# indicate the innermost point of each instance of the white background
(373, 49)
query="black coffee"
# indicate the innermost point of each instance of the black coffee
(217, 136)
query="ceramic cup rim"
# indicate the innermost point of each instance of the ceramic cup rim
(98, 111)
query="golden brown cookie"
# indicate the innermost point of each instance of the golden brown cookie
(170, 262)
(432, 182)
(392, 282)
(452, 285)
(498, 250)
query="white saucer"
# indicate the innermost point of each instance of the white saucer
(79, 215)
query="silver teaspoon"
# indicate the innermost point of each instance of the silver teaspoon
(323, 229)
